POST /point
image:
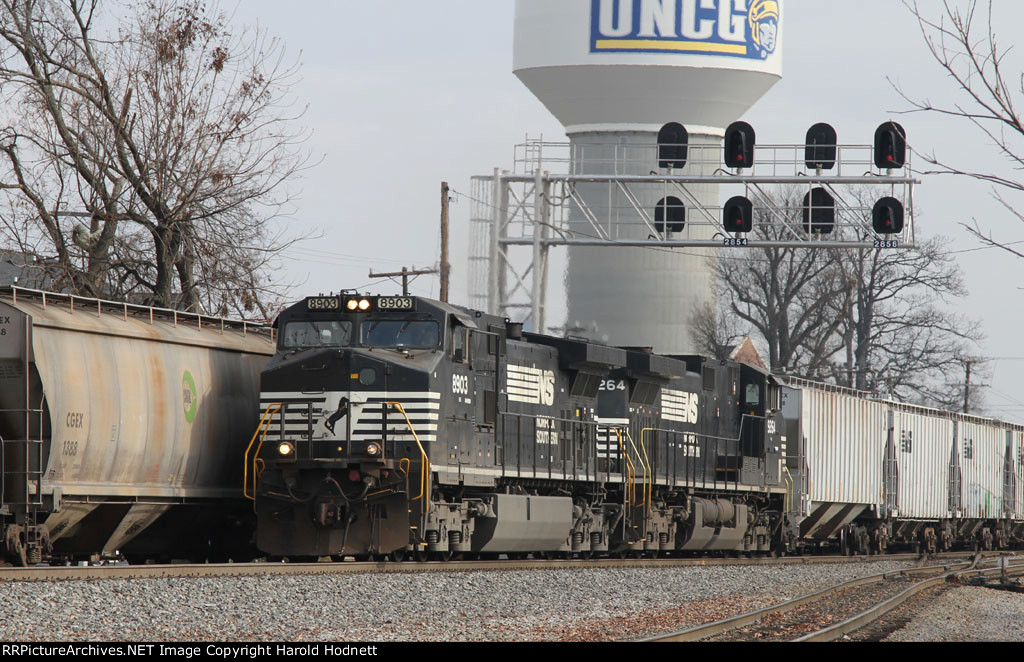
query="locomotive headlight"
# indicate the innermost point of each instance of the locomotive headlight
(285, 449)
(352, 304)
(364, 304)
(372, 449)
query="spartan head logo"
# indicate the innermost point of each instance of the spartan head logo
(764, 25)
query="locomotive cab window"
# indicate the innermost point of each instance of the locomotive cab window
(411, 334)
(315, 333)
(460, 344)
(752, 395)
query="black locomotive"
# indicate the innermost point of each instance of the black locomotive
(403, 424)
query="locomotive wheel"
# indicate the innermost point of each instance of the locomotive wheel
(419, 554)
(396, 556)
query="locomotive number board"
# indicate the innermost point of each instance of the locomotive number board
(395, 303)
(323, 303)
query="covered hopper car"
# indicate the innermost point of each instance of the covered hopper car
(121, 428)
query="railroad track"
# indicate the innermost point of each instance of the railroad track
(45, 573)
(836, 611)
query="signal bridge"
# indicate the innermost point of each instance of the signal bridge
(815, 195)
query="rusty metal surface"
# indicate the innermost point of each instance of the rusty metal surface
(134, 404)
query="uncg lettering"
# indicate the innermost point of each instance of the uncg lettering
(651, 19)
(716, 27)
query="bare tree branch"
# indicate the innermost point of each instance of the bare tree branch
(175, 136)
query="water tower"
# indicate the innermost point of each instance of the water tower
(614, 72)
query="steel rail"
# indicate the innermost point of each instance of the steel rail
(47, 573)
(869, 616)
(755, 616)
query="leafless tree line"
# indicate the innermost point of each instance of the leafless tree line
(145, 150)
(870, 319)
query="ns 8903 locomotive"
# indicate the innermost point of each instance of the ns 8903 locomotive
(403, 424)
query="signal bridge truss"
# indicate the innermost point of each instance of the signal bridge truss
(608, 195)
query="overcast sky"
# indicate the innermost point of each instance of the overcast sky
(403, 94)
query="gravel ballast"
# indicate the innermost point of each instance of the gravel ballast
(967, 614)
(521, 605)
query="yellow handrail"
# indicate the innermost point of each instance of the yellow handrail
(424, 465)
(630, 470)
(790, 486)
(648, 470)
(264, 426)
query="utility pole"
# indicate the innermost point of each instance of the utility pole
(968, 362)
(445, 266)
(405, 273)
(967, 387)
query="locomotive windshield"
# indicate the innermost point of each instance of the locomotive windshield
(414, 334)
(307, 334)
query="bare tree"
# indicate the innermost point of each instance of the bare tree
(715, 332)
(868, 319)
(784, 295)
(896, 330)
(963, 42)
(147, 160)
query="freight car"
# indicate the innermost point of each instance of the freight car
(121, 427)
(871, 472)
(402, 424)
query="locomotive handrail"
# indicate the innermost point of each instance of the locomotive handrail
(642, 433)
(425, 461)
(788, 503)
(264, 426)
(630, 469)
(648, 484)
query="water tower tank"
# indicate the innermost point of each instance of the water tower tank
(613, 72)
